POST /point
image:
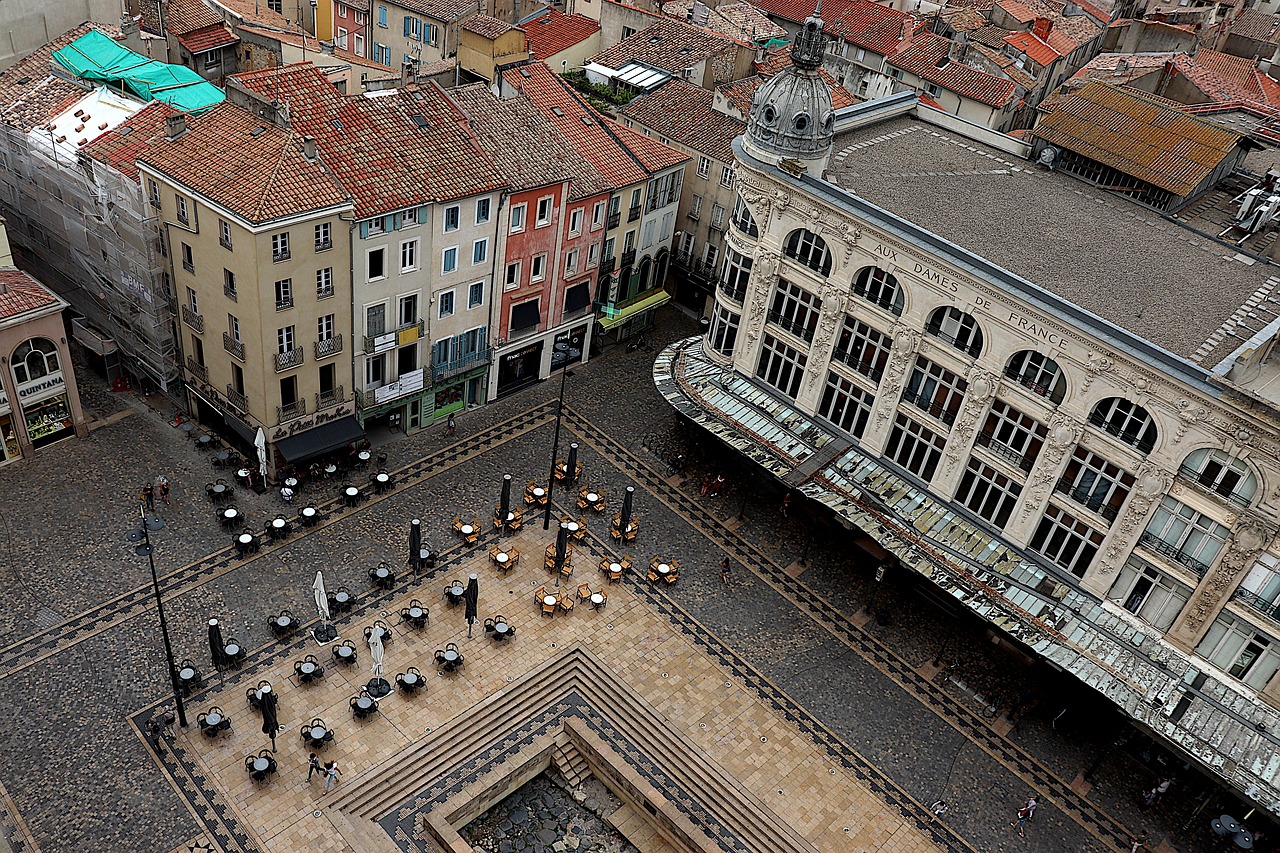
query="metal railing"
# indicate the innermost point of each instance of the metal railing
(229, 291)
(233, 346)
(628, 257)
(237, 399)
(737, 294)
(1193, 478)
(866, 368)
(189, 266)
(192, 319)
(1155, 543)
(284, 303)
(1033, 387)
(790, 324)
(633, 214)
(197, 369)
(696, 268)
(615, 219)
(1006, 452)
(369, 339)
(1093, 503)
(289, 359)
(282, 255)
(331, 398)
(445, 370)
(224, 242)
(289, 411)
(322, 245)
(969, 342)
(1145, 445)
(924, 403)
(328, 347)
(1258, 603)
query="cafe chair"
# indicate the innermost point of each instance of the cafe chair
(415, 621)
(566, 603)
(286, 530)
(386, 632)
(208, 490)
(309, 519)
(488, 625)
(233, 520)
(549, 560)
(308, 677)
(340, 600)
(213, 729)
(189, 685)
(251, 693)
(539, 598)
(584, 591)
(417, 681)
(604, 599)
(385, 582)
(345, 657)
(450, 587)
(312, 742)
(567, 568)
(363, 713)
(243, 548)
(380, 485)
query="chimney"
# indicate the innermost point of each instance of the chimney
(1040, 29)
(309, 148)
(175, 125)
(407, 73)
(132, 32)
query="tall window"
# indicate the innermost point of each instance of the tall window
(737, 273)
(324, 236)
(324, 283)
(809, 249)
(957, 328)
(377, 263)
(538, 267)
(375, 320)
(325, 324)
(1261, 586)
(1066, 540)
(449, 260)
(781, 366)
(34, 359)
(1127, 421)
(408, 255)
(1149, 593)
(1095, 483)
(1222, 474)
(743, 220)
(723, 333)
(704, 166)
(280, 246)
(1037, 373)
(915, 447)
(475, 294)
(445, 302)
(879, 288)
(229, 285)
(575, 222)
(543, 217)
(846, 405)
(284, 294)
(863, 348)
(482, 211)
(183, 216)
(717, 216)
(987, 492)
(1012, 436)
(452, 217)
(512, 279)
(795, 309)
(517, 218)
(286, 340)
(935, 390)
(1185, 535)
(1241, 650)
(726, 176)
(224, 233)
(188, 259)
(407, 310)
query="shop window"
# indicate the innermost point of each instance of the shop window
(34, 359)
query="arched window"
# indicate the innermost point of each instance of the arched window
(660, 269)
(1220, 473)
(646, 269)
(33, 359)
(1037, 373)
(1127, 421)
(956, 328)
(743, 220)
(809, 249)
(879, 288)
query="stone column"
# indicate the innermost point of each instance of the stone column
(1248, 539)
(1150, 485)
(1063, 434)
(982, 387)
(831, 318)
(755, 307)
(906, 341)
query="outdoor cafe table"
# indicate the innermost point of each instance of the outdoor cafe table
(549, 600)
(364, 456)
(451, 656)
(230, 514)
(291, 482)
(222, 456)
(410, 680)
(382, 573)
(364, 703)
(261, 764)
(330, 469)
(572, 527)
(243, 474)
(316, 734)
(205, 440)
(307, 667)
(500, 630)
(502, 558)
(188, 426)
(597, 599)
(283, 622)
(352, 494)
(278, 524)
(245, 539)
(383, 478)
(231, 650)
(341, 598)
(416, 612)
(187, 675)
(455, 592)
(212, 721)
(218, 489)
(663, 569)
(308, 512)
(466, 529)
(345, 652)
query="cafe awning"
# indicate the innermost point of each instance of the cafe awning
(636, 309)
(321, 439)
(240, 428)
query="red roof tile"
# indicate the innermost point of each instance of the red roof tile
(121, 147)
(244, 164)
(1255, 25)
(551, 33)
(861, 22)
(21, 294)
(442, 10)
(682, 112)
(187, 16)
(484, 25)
(254, 12)
(1039, 52)
(922, 58)
(29, 94)
(397, 150)
(1222, 77)
(667, 44)
(208, 38)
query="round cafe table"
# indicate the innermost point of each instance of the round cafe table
(364, 703)
(592, 497)
(186, 674)
(278, 523)
(364, 456)
(614, 568)
(549, 600)
(597, 599)
(307, 668)
(341, 599)
(345, 652)
(456, 591)
(383, 477)
(317, 733)
(409, 679)
(382, 573)
(219, 489)
(573, 527)
(283, 622)
(538, 491)
(231, 650)
(243, 473)
(291, 482)
(260, 765)
(331, 469)
(415, 612)
(230, 514)
(308, 512)
(212, 720)
(466, 530)
(245, 539)
(188, 426)
(664, 569)
(501, 557)
(450, 656)
(501, 628)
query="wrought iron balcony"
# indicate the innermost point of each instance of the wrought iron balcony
(1144, 442)
(615, 219)
(925, 403)
(697, 270)
(634, 213)
(1009, 454)
(289, 411)
(608, 264)
(445, 370)
(237, 400)
(233, 346)
(1194, 478)
(736, 293)
(850, 358)
(1025, 382)
(197, 369)
(281, 255)
(192, 319)
(1094, 503)
(628, 257)
(323, 245)
(800, 330)
(331, 398)
(328, 347)
(369, 339)
(1154, 543)
(288, 360)
(1258, 603)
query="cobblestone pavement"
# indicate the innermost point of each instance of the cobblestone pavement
(80, 652)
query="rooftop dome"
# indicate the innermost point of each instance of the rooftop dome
(791, 113)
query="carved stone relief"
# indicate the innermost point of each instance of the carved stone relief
(1063, 435)
(1247, 541)
(1096, 365)
(905, 342)
(1151, 484)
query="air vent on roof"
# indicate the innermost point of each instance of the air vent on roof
(557, 111)
(418, 120)
(22, 81)
(655, 39)
(524, 72)
(257, 131)
(683, 51)
(588, 120)
(124, 131)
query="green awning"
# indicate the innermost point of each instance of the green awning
(94, 56)
(636, 309)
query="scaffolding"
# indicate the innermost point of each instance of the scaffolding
(88, 231)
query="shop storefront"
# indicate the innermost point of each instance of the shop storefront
(48, 420)
(569, 346)
(520, 367)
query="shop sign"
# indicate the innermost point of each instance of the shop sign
(44, 383)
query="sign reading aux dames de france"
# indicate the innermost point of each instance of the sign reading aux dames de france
(945, 282)
(31, 389)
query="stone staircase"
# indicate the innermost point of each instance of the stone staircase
(637, 829)
(571, 763)
(378, 791)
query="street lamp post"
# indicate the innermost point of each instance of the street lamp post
(141, 538)
(555, 448)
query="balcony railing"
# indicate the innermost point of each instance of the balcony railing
(800, 330)
(369, 339)
(233, 346)
(189, 266)
(628, 258)
(237, 400)
(197, 369)
(445, 370)
(328, 347)
(1155, 543)
(331, 398)
(866, 368)
(964, 342)
(1192, 477)
(696, 269)
(289, 359)
(1025, 382)
(229, 291)
(1144, 443)
(323, 245)
(280, 255)
(192, 319)
(289, 411)
(224, 242)
(608, 264)
(925, 403)
(1258, 603)
(737, 294)
(615, 219)
(284, 303)
(1094, 503)
(633, 214)
(1007, 453)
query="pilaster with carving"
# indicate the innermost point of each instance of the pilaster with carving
(1151, 483)
(906, 341)
(983, 385)
(764, 274)
(830, 320)
(1249, 537)
(1062, 436)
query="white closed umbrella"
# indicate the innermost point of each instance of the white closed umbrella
(322, 599)
(375, 650)
(260, 442)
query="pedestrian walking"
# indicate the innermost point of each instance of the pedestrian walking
(1149, 798)
(149, 496)
(1163, 787)
(331, 774)
(286, 494)
(1139, 842)
(786, 504)
(1032, 802)
(1021, 821)
(314, 767)
(706, 485)
(450, 426)
(724, 571)
(163, 483)
(939, 808)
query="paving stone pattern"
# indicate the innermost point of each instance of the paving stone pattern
(543, 812)
(69, 683)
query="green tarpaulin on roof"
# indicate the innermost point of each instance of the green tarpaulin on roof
(95, 56)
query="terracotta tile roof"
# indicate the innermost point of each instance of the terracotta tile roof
(246, 165)
(21, 294)
(774, 60)
(740, 21)
(397, 150)
(442, 10)
(40, 101)
(667, 44)
(311, 44)
(187, 16)
(483, 25)
(526, 147)
(1068, 32)
(551, 33)
(1008, 67)
(860, 22)
(120, 148)
(1133, 134)
(1019, 11)
(1255, 25)
(1095, 12)
(253, 12)
(1222, 77)
(682, 112)
(740, 93)
(208, 38)
(922, 58)
(1039, 52)
(29, 94)
(992, 36)
(966, 19)
(620, 156)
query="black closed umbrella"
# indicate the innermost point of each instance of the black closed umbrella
(270, 714)
(571, 465)
(624, 517)
(562, 550)
(472, 598)
(415, 543)
(504, 504)
(216, 644)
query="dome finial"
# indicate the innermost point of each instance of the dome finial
(810, 43)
